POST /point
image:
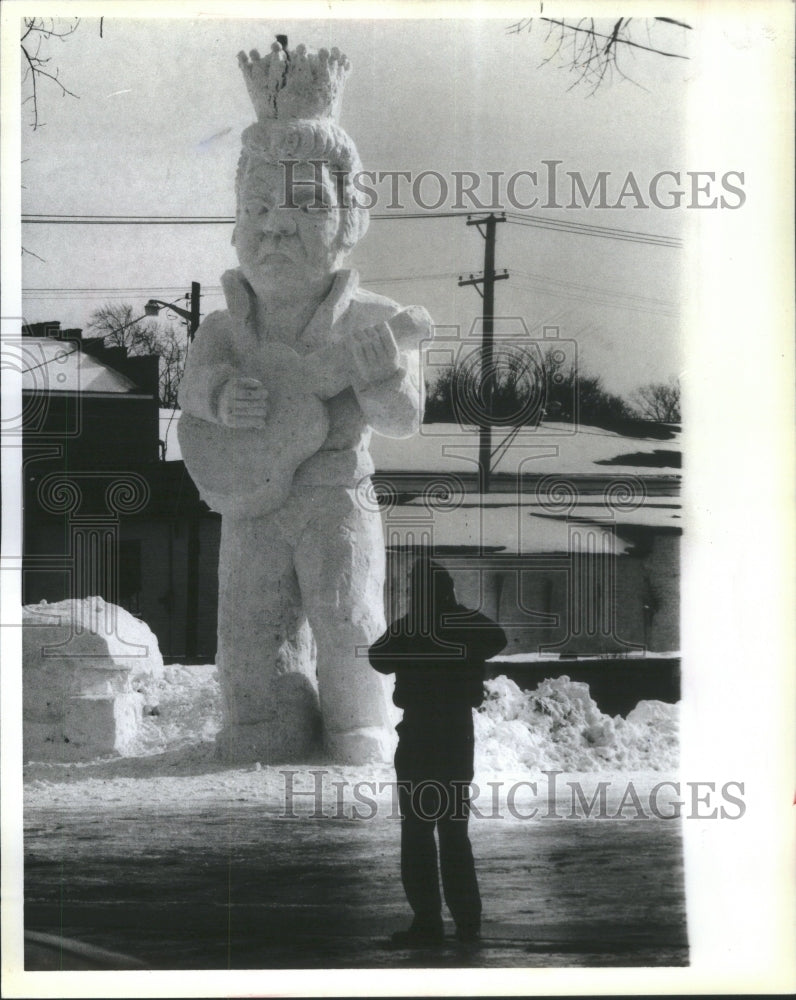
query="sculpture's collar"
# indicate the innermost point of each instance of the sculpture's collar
(241, 304)
(326, 316)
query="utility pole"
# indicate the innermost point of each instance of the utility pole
(196, 295)
(191, 317)
(194, 545)
(487, 279)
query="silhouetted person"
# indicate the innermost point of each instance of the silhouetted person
(437, 652)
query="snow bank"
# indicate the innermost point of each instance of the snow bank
(558, 726)
(519, 733)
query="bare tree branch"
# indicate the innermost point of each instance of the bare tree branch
(36, 31)
(593, 55)
(30, 253)
(659, 401)
(614, 39)
(671, 20)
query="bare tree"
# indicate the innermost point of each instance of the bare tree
(36, 33)
(659, 401)
(591, 49)
(36, 69)
(117, 325)
(526, 390)
(172, 349)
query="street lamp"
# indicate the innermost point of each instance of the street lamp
(131, 322)
(153, 307)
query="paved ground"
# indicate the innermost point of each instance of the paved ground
(219, 887)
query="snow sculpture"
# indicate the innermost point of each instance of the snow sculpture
(90, 668)
(280, 394)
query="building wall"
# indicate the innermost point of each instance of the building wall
(661, 581)
(101, 432)
(151, 566)
(634, 605)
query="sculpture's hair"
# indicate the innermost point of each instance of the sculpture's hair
(303, 140)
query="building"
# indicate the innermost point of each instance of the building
(104, 514)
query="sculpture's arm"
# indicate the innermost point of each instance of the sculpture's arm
(394, 406)
(208, 369)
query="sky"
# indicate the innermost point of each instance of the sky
(155, 130)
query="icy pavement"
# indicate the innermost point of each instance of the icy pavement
(182, 862)
(217, 887)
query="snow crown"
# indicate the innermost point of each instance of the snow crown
(299, 84)
(297, 96)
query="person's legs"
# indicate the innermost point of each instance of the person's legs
(459, 881)
(419, 872)
(419, 802)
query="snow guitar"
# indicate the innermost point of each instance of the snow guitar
(249, 472)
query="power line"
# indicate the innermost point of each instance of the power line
(85, 220)
(599, 289)
(440, 276)
(43, 364)
(69, 218)
(605, 301)
(119, 288)
(529, 218)
(580, 230)
(116, 291)
(515, 218)
(604, 296)
(675, 244)
(380, 279)
(594, 295)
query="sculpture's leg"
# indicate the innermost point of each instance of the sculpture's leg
(340, 565)
(265, 653)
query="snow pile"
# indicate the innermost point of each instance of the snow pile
(558, 726)
(89, 668)
(185, 708)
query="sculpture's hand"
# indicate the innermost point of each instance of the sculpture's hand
(242, 404)
(375, 353)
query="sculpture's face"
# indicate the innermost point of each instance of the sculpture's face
(284, 247)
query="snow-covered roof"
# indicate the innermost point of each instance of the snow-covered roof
(60, 366)
(520, 524)
(510, 528)
(553, 448)
(546, 656)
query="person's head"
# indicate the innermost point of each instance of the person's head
(430, 585)
(297, 216)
